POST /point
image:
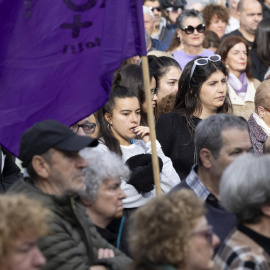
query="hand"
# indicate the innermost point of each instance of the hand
(144, 132)
(104, 253)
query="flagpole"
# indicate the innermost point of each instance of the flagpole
(150, 118)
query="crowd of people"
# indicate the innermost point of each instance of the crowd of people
(87, 199)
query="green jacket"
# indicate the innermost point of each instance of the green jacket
(73, 241)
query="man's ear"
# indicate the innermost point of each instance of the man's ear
(41, 166)
(206, 158)
(108, 118)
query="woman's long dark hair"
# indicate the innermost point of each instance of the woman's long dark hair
(262, 37)
(108, 138)
(187, 101)
(131, 76)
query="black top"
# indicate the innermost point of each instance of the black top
(176, 141)
(261, 240)
(238, 34)
(258, 68)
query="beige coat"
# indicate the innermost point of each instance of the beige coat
(244, 107)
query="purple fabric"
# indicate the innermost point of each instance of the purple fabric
(57, 59)
(243, 79)
(183, 58)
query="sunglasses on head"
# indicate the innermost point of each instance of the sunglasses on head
(155, 8)
(174, 10)
(204, 61)
(190, 29)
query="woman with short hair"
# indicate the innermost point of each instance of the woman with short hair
(171, 232)
(245, 192)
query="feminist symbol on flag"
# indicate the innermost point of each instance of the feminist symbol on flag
(77, 24)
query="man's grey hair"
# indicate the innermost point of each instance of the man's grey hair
(208, 133)
(148, 10)
(101, 167)
(245, 188)
(187, 13)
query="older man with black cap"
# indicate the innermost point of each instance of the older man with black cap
(49, 151)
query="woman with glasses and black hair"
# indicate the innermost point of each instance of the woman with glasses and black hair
(190, 30)
(202, 92)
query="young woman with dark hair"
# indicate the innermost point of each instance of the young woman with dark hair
(242, 86)
(202, 92)
(131, 76)
(119, 125)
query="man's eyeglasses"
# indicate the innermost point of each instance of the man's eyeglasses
(155, 8)
(174, 10)
(88, 128)
(266, 109)
(204, 61)
(207, 233)
(190, 29)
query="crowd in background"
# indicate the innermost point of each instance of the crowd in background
(93, 185)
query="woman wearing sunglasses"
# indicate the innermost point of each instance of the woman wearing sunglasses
(171, 233)
(235, 55)
(190, 30)
(202, 92)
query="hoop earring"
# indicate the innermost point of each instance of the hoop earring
(109, 127)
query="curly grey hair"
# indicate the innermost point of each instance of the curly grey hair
(101, 167)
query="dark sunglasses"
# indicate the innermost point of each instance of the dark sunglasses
(190, 29)
(155, 8)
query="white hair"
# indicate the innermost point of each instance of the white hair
(148, 10)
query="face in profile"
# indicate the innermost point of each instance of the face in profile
(108, 204)
(24, 255)
(168, 84)
(201, 246)
(153, 89)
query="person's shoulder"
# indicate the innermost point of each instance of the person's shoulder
(171, 117)
(233, 33)
(180, 186)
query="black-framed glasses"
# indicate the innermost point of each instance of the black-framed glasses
(203, 61)
(155, 8)
(190, 29)
(174, 9)
(207, 233)
(88, 128)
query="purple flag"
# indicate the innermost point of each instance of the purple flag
(57, 58)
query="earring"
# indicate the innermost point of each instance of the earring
(109, 127)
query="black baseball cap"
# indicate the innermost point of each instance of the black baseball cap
(51, 134)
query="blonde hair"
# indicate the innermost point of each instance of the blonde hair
(159, 231)
(20, 215)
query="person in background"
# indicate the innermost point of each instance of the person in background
(259, 121)
(244, 191)
(202, 92)
(260, 53)
(171, 232)
(149, 23)
(242, 86)
(9, 171)
(266, 8)
(219, 139)
(233, 23)
(22, 223)
(167, 73)
(131, 76)
(102, 197)
(86, 127)
(190, 30)
(250, 14)
(211, 41)
(216, 18)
